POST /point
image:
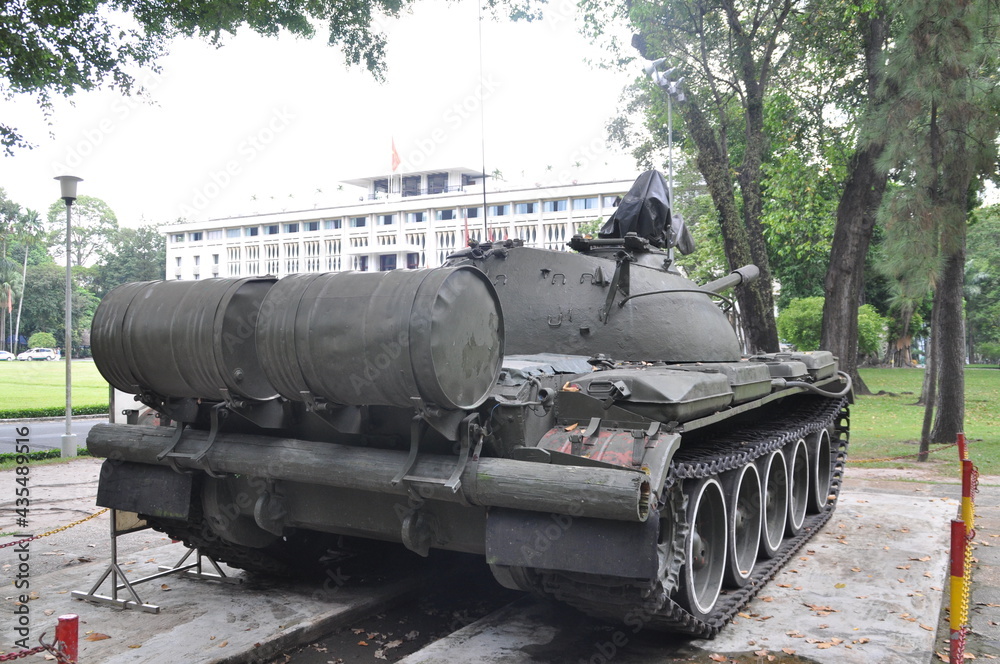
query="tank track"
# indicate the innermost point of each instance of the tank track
(620, 600)
(196, 534)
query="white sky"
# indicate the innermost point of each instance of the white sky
(284, 120)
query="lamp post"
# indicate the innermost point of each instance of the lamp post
(67, 186)
(672, 88)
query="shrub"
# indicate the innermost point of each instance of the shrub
(801, 324)
(42, 340)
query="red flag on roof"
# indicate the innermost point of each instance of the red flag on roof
(396, 161)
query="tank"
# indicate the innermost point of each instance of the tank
(586, 421)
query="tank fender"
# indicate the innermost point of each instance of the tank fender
(564, 542)
(649, 448)
(145, 489)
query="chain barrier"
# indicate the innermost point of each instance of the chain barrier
(53, 532)
(963, 534)
(56, 649)
(899, 458)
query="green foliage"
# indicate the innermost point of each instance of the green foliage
(132, 254)
(51, 411)
(51, 49)
(590, 228)
(93, 224)
(11, 458)
(801, 322)
(45, 298)
(872, 330)
(990, 351)
(41, 340)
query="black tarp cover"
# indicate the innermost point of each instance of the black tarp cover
(645, 211)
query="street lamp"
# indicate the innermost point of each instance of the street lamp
(673, 89)
(67, 186)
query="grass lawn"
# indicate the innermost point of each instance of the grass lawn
(43, 384)
(888, 424)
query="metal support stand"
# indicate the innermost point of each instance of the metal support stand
(193, 569)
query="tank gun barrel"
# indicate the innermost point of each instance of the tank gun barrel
(737, 277)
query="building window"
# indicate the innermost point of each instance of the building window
(412, 261)
(612, 201)
(233, 255)
(361, 263)
(445, 215)
(499, 210)
(271, 230)
(411, 185)
(471, 213)
(252, 231)
(525, 208)
(197, 260)
(386, 219)
(331, 224)
(291, 228)
(215, 259)
(386, 262)
(585, 203)
(214, 235)
(416, 217)
(359, 222)
(554, 206)
(381, 186)
(177, 237)
(178, 259)
(197, 276)
(232, 232)
(195, 237)
(437, 183)
(311, 226)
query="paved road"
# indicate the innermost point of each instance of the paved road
(45, 434)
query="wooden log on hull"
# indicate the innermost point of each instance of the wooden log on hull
(603, 493)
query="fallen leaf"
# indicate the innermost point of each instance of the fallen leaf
(715, 657)
(224, 644)
(137, 645)
(788, 651)
(362, 643)
(96, 636)
(840, 585)
(927, 627)
(164, 587)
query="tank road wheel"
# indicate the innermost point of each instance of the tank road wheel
(821, 475)
(798, 486)
(775, 504)
(744, 506)
(705, 547)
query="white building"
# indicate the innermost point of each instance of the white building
(410, 221)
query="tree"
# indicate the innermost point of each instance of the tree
(50, 49)
(941, 137)
(729, 54)
(132, 254)
(30, 236)
(93, 223)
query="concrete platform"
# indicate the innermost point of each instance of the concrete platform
(867, 588)
(209, 621)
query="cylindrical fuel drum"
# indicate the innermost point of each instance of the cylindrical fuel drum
(383, 338)
(183, 338)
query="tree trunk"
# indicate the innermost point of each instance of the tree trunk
(755, 301)
(928, 392)
(856, 211)
(20, 301)
(950, 418)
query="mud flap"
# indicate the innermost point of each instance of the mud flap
(539, 540)
(145, 489)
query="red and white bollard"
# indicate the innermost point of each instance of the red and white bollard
(68, 635)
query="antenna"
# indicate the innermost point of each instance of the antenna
(672, 87)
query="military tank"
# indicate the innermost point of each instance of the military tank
(585, 421)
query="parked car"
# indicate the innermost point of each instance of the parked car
(6, 356)
(39, 354)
